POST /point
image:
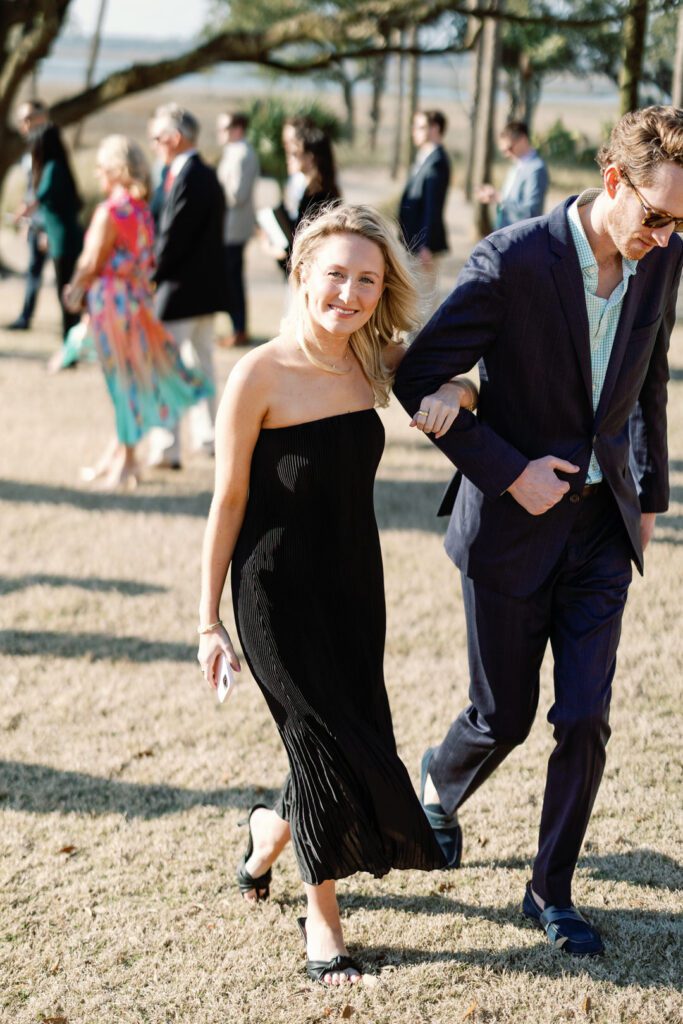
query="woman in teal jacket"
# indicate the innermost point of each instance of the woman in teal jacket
(59, 202)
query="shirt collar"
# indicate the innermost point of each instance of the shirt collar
(583, 247)
(179, 161)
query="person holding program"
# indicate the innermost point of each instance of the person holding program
(147, 381)
(524, 189)
(298, 444)
(569, 316)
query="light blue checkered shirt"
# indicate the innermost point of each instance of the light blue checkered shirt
(603, 314)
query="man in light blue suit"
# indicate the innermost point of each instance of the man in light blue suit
(523, 192)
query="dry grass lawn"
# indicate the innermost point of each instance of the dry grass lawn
(121, 781)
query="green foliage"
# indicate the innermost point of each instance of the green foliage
(561, 146)
(265, 129)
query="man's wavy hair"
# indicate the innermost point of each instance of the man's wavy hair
(643, 140)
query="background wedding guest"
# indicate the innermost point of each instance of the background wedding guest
(59, 204)
(292, 142)
(523, 192)
(421, 211)
(190, 272)
(238, 172)
(30, 116)
(147, 381)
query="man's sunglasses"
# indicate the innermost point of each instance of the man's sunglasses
(653, 218)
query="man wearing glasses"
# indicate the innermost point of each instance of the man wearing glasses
(569, 316)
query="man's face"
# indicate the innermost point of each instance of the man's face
(509, 146)
(625, 213)
(420, 130)
(167, 140)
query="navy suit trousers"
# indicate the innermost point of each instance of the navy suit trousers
(579, 611)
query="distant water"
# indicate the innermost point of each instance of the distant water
(441, 77)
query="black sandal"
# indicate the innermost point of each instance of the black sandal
(247, 884)
(317, 969)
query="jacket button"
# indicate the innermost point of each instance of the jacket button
(574, 498)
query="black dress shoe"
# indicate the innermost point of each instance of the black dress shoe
(567, 929)
(446, 828)
(18, 325)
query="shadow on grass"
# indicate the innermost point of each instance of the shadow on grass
(131, 588)
(400, 504)
(167, 504)
(24, 354)
(639, 943)
(39, 789)
(618, 967)
(94, 646)
(637, 867)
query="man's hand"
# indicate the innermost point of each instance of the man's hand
(647, 527)
(537, 488)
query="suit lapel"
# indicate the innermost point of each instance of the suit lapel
(569, 283)
(623, 332)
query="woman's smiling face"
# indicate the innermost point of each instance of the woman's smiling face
(344, 283)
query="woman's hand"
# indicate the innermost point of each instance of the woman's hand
(72, 297)
(211, 646)
(438, 412)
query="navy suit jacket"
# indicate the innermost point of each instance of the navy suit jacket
(190, 274)
(519, 309)
(421, 211)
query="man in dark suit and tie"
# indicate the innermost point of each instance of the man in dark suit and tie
(569, 316)
(189, 275)
(422, 203)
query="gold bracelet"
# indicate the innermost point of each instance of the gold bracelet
(210, 628)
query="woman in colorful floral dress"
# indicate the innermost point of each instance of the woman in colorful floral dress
(147, 381)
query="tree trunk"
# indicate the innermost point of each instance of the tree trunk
(677, 89)
(379, 77)
(413, 90)
(483, 135)
(474, 114)
(635, 28)
(347, 85)
(398, 137)
(92, 61)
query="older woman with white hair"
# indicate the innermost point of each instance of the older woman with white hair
(298, 442)
(147, 381)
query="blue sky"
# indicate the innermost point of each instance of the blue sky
(156, 19)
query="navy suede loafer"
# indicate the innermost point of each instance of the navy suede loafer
(565, 927)
(447, 831)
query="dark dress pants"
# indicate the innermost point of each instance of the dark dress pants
(64, 268)
(234, 271)
(579, 611)
(36, 261)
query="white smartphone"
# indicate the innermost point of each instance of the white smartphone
(226, 679)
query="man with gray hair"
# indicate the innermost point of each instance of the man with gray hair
(189, 274)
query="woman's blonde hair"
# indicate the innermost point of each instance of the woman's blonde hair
(396, 312)
(125, 163)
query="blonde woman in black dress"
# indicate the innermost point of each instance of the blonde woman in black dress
(298, 442)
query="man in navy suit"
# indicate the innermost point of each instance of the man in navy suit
(424, 197)
(569, 316)
(189, 276)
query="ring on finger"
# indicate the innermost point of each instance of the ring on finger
(422, 413)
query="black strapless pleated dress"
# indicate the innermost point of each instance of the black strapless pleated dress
(308, 593)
